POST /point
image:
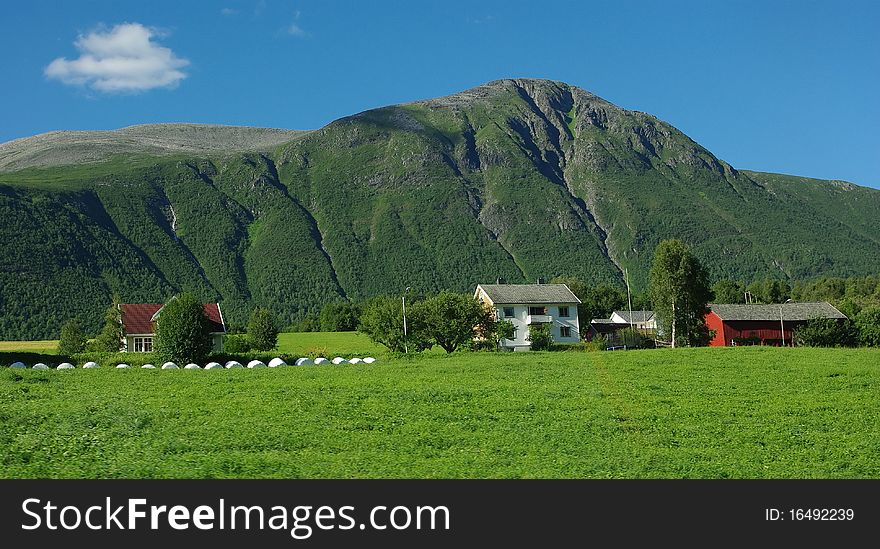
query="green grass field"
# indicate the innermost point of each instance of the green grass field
(687, 413)
(332, 343)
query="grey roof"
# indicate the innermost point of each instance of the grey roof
(637, 316)
(529, 293)
(790, 311)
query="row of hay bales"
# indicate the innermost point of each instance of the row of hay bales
(274, 363)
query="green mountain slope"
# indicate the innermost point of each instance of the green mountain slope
(517, 179)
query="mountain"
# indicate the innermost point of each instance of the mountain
(517, 179)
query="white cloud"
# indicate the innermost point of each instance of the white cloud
(295, 30)
(228, 12)
(123, 59)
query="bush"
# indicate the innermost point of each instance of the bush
(827, 332)
(340, 317)
(183, 331)
(237, 343)
(72, 339)
(746, 341)
(262, 331)
(540, 336)
(868, 326)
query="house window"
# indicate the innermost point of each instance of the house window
(508, 312)
(143, 344)
(564, 331)
(537, 310)
(563, 312)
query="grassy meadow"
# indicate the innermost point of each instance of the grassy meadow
(686, 413)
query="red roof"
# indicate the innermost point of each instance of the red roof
(137, 317)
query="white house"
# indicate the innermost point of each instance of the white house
(525, 304)
(640, 320)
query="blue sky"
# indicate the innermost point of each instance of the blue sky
(789, 87)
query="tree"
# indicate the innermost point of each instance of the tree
(112, 334)
(382, 321)
(827, 332)
(262, 330)
(339, 317)
(450, 319)
(72, 339)
(183, 331)
(680, 292)
(868, 324)
(728, 291)
(540, 336)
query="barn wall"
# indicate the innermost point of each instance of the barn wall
(715, 323)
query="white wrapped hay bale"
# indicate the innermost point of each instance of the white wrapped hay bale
(339, 360)
(40, 366)
(213, 366)
(65, 366)
(91, 365)
(122, 366)
(355, 360)
(256, 364)
(304, 362)
(170, 366)
(148, 367)
(233, 364)
(276, 362)
(192, 366)
(321, 360)
(17, 365)
(369, 360)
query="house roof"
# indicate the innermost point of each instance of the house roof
(790, 311)
(137, 317)
(512, 294)
(606, 325)
(637, 316)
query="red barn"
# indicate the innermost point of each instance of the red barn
(741, 324)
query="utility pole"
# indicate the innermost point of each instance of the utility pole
(782, 322)
(629, 301)
(405, 347)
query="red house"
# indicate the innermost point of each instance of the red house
(139, 325)
(741, 324)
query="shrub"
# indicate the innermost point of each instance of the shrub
(182, 331)
(72, 339)
(237, 343)
(540, 336)
(826, 332)
(868, 326)
(262, 331)
(746, 341)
